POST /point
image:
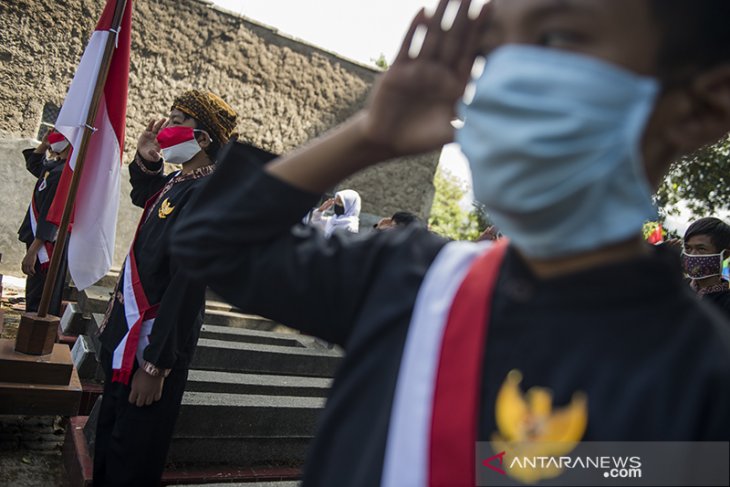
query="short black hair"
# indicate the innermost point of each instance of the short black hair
(695, 35)
(404, 218)
(716, 229)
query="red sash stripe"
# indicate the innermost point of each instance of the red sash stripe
(454, 420)
(146, 311)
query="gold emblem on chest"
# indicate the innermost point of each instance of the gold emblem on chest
(529, 426)
(165, 209)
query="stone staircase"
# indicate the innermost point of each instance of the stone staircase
(254, 393)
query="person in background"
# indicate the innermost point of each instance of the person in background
(46, 163)
(706, 245)
(399, 219)
(491, 233)
(346, 204)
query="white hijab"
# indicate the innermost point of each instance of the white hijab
(350, 220)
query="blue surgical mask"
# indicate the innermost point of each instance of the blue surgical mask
(553, 141)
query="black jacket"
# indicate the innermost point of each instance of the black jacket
(653, 360)
(48, 174)
(181, 299)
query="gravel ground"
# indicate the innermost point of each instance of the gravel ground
(30, 451)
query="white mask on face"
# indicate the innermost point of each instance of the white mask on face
(59, 147)
(178, 144)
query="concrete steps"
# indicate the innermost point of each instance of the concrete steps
(264, 359)
(253, 396)
(255, 384)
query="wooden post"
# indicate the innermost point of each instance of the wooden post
(37, 331)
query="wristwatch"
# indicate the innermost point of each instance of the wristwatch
(154, 370)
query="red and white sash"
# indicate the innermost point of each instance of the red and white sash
(434, 419)
(46, 251)
(139, 312)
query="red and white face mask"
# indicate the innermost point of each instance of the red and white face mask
(57, 142)
(178, 144)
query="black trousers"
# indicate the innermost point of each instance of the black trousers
(132, 442)
(34, 288)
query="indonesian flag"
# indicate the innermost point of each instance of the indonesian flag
(657, 236)
(91, 243)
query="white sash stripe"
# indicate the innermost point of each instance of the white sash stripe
(131, 311)
(407, 448)
(42, 252)
(144, 339)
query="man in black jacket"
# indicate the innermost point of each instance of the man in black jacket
(153, 320)
(38, 234)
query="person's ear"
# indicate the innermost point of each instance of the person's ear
(706, 117)
(203, 139)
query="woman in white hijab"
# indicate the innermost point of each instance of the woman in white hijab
(347, 213)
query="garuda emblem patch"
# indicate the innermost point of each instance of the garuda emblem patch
(529, 426)
(165, 209)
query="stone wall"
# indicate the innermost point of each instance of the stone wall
(285, 91)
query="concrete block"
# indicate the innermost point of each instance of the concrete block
(110, 279)
(84, 358)
(94, 299)
(264, 359)
(73, 321)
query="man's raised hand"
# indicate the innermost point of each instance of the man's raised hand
(147, 145)
(413, 103)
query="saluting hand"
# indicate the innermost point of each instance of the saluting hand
(327, 204)
(413, 103)
(147, 145)
(43, 147)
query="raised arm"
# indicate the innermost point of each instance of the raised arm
(410, 110)
(34, 157)
(146, 170)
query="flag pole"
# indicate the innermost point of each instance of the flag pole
(26, 338)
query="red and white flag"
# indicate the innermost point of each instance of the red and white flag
(657, 236)
(91, 242)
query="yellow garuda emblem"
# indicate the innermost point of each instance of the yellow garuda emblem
(529, 427)
(165, 209)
